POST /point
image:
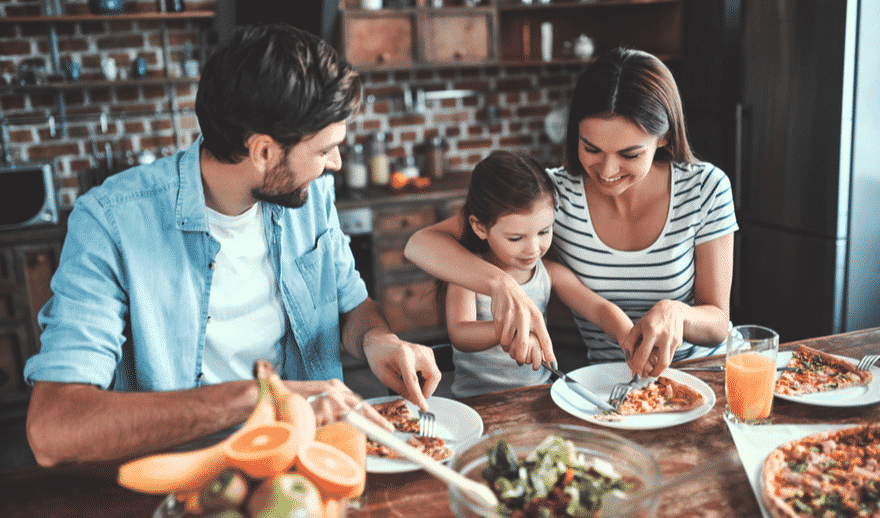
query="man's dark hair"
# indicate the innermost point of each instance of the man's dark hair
(275, 80)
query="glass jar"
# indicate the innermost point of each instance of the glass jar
(434, 158)
(380, 165)
(356, 167)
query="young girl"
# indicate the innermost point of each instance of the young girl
(508, 221)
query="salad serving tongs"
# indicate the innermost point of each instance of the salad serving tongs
(473, 490)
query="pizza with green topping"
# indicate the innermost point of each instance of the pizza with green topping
(810, 370)
(829, 475)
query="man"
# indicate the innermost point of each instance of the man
(176, 276)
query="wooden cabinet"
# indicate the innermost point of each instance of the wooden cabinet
(413, 37)
(507, 32)
(28, 258)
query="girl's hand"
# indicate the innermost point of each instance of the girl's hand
(653, 340)
(516, 317)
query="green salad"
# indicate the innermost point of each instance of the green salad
(554, 481)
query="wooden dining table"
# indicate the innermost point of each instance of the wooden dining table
(90, 490)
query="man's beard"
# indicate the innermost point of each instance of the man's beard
(291, 199)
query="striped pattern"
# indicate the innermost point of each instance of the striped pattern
(702, 210)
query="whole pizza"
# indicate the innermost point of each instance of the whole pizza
(810, 370)
(828, 475)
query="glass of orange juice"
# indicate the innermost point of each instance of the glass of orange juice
(750, 368)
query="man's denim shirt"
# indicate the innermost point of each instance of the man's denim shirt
(130, 297)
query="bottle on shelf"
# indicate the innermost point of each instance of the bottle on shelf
(434, 158)
(355, 167)
(409, 168)
(380, 165)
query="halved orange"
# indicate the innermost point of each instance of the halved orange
(334, 472)
(265, 450)
(350, 441)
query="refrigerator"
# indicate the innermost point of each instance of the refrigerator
(806, 178)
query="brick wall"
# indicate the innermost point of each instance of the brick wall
(521, 97)
(140, 115)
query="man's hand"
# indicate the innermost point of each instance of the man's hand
(516, 319)
(653, 340)
(398, 364)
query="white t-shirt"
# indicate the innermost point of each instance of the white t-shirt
(246, 315)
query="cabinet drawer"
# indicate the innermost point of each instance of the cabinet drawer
(412, 306)
(371, 41)
(458, 37)
(391, 256)
(406, 220)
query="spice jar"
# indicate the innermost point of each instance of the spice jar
(380, 166)
(434, 158)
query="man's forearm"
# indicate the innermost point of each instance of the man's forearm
(363, 319)
(80, 423)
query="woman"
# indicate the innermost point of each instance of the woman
(640, 221)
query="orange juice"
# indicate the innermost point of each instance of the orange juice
(749, 381)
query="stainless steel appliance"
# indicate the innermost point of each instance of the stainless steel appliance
(357, 224)
(807, 190)
(27, 196)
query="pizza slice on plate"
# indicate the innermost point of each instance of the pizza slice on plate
(398, 414)
(827, 474)
(660, 396)
(810, 370)
(431, 446)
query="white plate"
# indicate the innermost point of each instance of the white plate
(456, 423)
(848, 397)
(602, 377)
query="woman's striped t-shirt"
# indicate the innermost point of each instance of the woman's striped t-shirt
(701, 210)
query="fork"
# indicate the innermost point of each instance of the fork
(619, 392)
(426, 424)
(867, 361)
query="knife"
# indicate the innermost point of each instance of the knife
(720, 368)
(580, 390)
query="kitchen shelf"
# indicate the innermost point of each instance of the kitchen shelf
(506, 33)
(101, 83)
(516, 6)
(87, 17)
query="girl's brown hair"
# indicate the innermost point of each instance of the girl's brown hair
(634, 85)
(502, 183)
